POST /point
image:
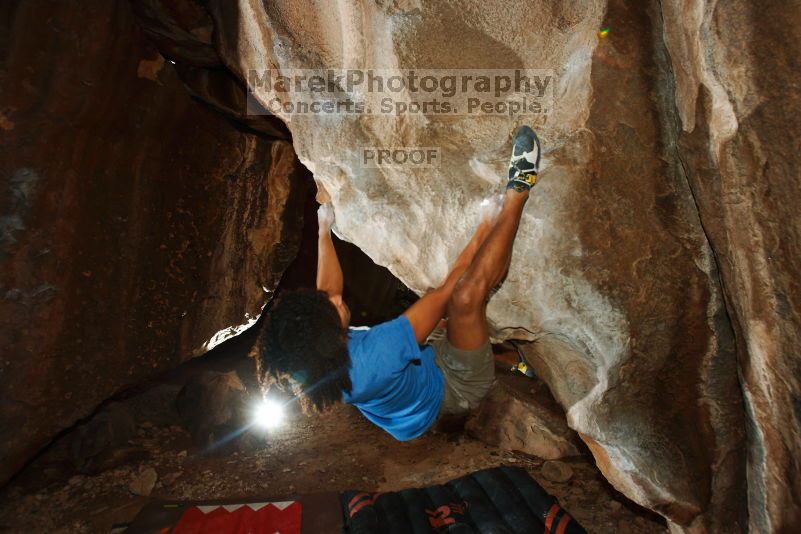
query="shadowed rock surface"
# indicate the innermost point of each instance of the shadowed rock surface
(102, 440)
(519, 414)
(139, 227)
(212, 406)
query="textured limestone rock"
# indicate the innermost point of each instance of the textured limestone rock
(613, 275)
(138, 227)
(737, 69)
(520, 414)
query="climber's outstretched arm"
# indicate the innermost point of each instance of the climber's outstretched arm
(329, 272)
(426, 313)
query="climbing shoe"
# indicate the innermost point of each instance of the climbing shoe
(522, 366)
(525, 162)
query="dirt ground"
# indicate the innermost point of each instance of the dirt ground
(338, 450)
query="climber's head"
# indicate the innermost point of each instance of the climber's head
(304, 348)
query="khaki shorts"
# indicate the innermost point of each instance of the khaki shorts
(468, 374)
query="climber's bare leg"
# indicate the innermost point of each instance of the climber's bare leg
(467, 307)
(425, 314)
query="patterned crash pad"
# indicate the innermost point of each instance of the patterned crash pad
(502, 500)
(317, 513)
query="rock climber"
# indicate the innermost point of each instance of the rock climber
(393, 373)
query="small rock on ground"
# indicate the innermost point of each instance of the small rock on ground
(143, 483)
(557, 471)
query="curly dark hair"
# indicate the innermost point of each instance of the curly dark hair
(304, 349)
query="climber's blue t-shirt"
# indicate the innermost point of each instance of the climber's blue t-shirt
(396, 385)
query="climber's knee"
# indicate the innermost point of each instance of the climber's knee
(468, 297)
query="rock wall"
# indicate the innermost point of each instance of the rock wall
(737, 68)
(138, 227)
(653, 265)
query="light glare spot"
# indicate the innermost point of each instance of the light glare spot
(268, 414)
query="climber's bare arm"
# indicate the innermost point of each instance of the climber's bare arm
(329, 272)
(426, 313)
